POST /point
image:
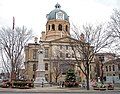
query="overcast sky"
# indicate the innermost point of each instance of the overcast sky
(32, 13)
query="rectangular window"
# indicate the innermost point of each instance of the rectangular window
(46, 66)
(60, 46)
(66, 47)
(34, 54)
(73, 55)
(46, 53)
(67, 56)
(33, 76)
(109, 68)
(90, 67)
(55, 64)
(34, 67)
(119, 76)
(61, 55)
(46, 77)
(118, 66)
(49, 27)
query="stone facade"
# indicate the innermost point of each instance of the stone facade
(59, 56)
(58, 53)
(108, 68)
(112, 71)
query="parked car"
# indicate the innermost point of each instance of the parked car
(110, 86)
(6, 83)
(1, 82)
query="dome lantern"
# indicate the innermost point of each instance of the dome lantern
(57, 6)
(57, 12)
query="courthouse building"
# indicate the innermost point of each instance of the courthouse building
(59, 56)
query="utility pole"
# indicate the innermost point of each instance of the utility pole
(13, 73)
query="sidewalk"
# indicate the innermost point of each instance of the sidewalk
(52, 89)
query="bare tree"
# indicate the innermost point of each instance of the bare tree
(12, 42)
(57, 60)
(57, 72)
(114, 26)
(19, 67)
(60, 63)
(91, 40)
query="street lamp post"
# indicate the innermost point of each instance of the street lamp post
(101, 58)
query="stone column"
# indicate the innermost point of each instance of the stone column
(40, 72)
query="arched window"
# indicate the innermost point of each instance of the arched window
(34, 54)
(48, 27)
(106, 68)
(46, 52)
(109, 68)
(113, 68)
(60, 27)
(53, 27)
(66, 28)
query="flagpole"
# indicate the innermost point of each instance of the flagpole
(13, 23)
(12, 71)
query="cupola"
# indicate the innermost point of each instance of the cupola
(57, 13)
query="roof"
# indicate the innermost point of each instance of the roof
(99, 54)
(115, 61)
(52, 14)
(67, 39)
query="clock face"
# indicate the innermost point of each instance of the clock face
(60, 15)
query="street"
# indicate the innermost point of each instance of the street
(95, 92)
(56, 90)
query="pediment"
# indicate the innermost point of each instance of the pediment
(64, 40)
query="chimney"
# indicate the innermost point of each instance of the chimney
(35, 39)
(43, 35)
(82, 37)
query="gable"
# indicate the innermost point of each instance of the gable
(64, 40)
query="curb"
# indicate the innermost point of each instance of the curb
(52, 90)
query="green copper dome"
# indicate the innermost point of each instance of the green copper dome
(52, 14)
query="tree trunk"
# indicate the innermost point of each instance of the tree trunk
(87, 77)
(101, 74)
(97, 71)
(56, 79)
